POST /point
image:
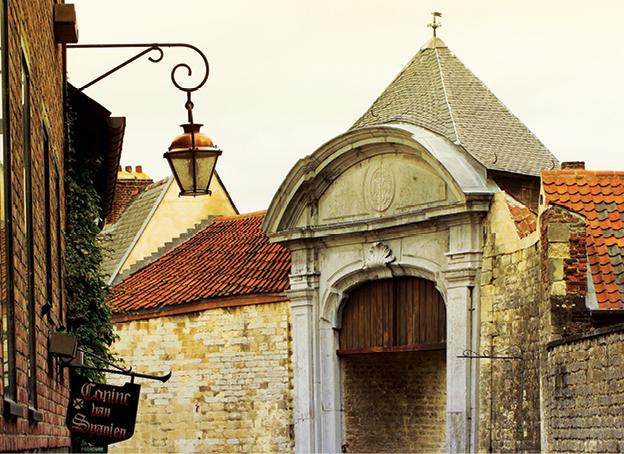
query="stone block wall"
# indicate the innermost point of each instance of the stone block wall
(509, 325)
(509, 398)
(231, 387)
(394, 402)
(584, 393)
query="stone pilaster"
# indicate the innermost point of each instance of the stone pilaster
(303, 296)
(464, 262)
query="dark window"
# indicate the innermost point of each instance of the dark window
(7, 327)
(58, 244)
(28, 228)
(49, 303)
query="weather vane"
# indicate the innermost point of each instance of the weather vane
(435, 24)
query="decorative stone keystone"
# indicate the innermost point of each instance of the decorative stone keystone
(379, 255)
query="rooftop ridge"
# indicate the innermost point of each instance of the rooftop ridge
(584, 172)
(232, 217)
(446, 97)
(433, 43)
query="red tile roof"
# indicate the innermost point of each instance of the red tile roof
(524, 219)
(230, 257)
(599, 198)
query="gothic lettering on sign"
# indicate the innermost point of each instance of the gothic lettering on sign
(102, 414)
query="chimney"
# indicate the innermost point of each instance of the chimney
(573, 165)
(126, 189)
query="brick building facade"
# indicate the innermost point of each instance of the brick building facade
(34, 388)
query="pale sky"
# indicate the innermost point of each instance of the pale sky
(287, 76)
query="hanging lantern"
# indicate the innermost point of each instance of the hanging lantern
(192, 157)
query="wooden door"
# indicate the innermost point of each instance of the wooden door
(393, 315)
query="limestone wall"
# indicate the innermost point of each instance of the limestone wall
(395, 402)
(231, 384)
(509, 390)
(584, 394)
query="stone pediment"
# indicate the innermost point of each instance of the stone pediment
(383, 185)
(377, 177)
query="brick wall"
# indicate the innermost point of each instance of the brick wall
(524, 188)
(31, 34)
(231, 387)
(126, 189)
(394, 402)
(564, 270)
(584, 394)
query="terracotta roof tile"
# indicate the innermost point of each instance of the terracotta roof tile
(523, 217)
(597, 196)
(230, 257)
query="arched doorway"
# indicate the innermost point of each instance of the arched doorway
(392, 349)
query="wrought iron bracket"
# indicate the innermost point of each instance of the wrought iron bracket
(470, 354)
(116, 369)
(147, 48)
(158, 49)
(132, 375)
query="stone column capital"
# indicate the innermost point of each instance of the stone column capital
(463, 268)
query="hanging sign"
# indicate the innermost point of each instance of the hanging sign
(102, 414)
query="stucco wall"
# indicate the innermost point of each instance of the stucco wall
(584, 395)
(231, 384)
(175, 214)
(395, 402)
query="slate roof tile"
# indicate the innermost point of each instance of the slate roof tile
(597, 196)
(437, 92)
(229, 257)
(118, 237)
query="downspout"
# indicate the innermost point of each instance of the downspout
(473, 427)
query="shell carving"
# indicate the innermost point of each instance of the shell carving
(379, 255)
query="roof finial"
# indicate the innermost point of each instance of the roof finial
(435, 24)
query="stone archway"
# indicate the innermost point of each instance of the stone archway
(424, 219)
(392, 349)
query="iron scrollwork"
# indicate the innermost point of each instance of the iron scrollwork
(158, 49)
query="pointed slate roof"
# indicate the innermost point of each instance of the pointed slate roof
(436, 91)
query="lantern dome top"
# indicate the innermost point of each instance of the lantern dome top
(185, 141)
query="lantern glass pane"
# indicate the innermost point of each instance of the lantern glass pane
(205, 165)
(182, 166)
